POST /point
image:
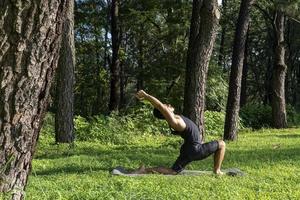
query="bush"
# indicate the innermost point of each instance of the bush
(256, 115)
(293, 117)
(125, 129)
(217, 88)
(214, 122)
(138, 121)
(119, 129)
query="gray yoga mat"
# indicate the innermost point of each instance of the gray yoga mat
(121, 171)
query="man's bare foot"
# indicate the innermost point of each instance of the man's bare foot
(219, 172)
(141, 169)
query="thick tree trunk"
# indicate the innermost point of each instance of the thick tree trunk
(114, 100)
(279, 73)
(64, 125)
(204, 22)
(29, 50)
(233, 102)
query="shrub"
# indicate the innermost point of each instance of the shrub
(256, 115)
(119, 129)
(216, 93)
(124, 129)
(214, 122)
(293, 117)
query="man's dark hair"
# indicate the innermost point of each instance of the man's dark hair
(158, 114)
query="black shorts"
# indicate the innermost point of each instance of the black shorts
(194, 152)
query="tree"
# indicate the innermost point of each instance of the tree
(114, 100)
(233, 102)
(93, 44)
(203, 29)
(221, 59)
(30, 40)
(243, 99)
(279, 73)
(64, 125)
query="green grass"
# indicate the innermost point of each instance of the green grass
(271, 159)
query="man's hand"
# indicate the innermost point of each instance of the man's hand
(141, 95)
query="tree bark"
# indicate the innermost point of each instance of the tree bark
(204, 23)
(114, 100)
(297, 96)
(233, 101)
(279, 73)
(221, 59)
(30, 33)
(243, 99)
(64, 125)
(140, 82)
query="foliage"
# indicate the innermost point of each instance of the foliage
(292, 116)
(216, 90)
(214, 122)
(119, 129)
(258, 116)
(269, 157)
(125, 128)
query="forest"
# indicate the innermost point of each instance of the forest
(80, 78)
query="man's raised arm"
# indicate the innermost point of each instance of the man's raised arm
(169, 116)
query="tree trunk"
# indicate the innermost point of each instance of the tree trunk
(204, 22)
(279, 73)
(114, 100)
(233, 101)
(221, 59)
(122, 86)
(30, 34)
(297, 96)
(243, 100)
(64, 125)
(267, 84)
(140, 82)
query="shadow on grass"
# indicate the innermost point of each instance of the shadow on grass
(68, 169)
(94, 159)
(288, 136)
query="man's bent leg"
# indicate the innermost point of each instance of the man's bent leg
(219, 156)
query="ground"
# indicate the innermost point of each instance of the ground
(271, 159)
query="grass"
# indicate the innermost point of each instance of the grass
(271, 159)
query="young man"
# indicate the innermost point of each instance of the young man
(192, 148)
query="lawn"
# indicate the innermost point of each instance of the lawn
(271, 159)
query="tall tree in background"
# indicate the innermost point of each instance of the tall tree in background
(233, 102)
(243, 99)
(64, 125)
(203, 29)
(279, 73)
(221, 59)
(115, 63)
(29, 49)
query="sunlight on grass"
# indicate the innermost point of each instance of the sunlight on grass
(269, 157)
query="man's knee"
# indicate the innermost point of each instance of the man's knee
(222, 144)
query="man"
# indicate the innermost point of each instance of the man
(192, 149)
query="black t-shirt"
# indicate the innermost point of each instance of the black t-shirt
(191, 133)
(192, 148)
